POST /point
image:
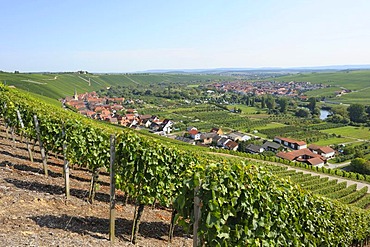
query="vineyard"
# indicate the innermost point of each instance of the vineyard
(223, 203)
(310, 133)
(327, 188)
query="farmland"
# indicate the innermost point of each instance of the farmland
(351, 132)
(61, 85)
(165, 154)
(357, 81)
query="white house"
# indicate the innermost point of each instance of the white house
(290, 143)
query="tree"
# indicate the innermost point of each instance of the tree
(348, 150)
(356, 113)
(270, 102)
(301, 112)
(316, 111)
(311, 104)
(340, 110)
(283, 103)
(368, 111)
(263, 103)
(337, 118)
(360, 165)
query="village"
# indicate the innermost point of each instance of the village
(112, 110)
(289, 89)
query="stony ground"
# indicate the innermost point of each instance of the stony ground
(34, 211)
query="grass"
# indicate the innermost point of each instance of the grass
(333, 141)
(270, 126)
(246, 110)
(60, 85)
(350, 131)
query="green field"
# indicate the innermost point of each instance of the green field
(270, 126)
(246, 110)
(58, 86)
(350, 131)
(333, 141)
(357, 81)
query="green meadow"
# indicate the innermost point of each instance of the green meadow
(333, 141)
(351, 132)
(358, 81)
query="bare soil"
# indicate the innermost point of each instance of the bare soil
(34, 211)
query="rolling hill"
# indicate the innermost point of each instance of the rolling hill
(358, 81)
(60, 85)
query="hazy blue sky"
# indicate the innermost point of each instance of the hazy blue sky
(132, 35)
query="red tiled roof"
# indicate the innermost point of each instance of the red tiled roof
(315, 161)
(314, 147)
(231, 144)
(300, 143)
(297, 153)
(193, 132)
(326, 150)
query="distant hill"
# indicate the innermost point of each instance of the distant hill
(263, 69)
(59, 85)
(358, 81)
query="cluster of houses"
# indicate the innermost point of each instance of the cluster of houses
(291, 89)
(113, 111)
(215, 137)
(313, 154)
(285, 148)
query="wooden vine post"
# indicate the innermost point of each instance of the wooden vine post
(27, 143)
(196, 240)
(172, 225)
(13, 136)
(42, 149)
(112, 212)
(65, 166)
(6, 123)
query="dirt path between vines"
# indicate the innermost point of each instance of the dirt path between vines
(34, 212)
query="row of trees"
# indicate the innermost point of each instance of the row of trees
(356, 113)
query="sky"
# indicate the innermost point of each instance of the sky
(138, 35)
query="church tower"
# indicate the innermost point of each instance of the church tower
(75, 96)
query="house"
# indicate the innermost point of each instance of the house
(315, 162)
(290, 143)
(154, 119)
(194, 134)
(113, 120)
(207, 138)
(221, 142)
(131, 111)
(254, 149)
(185, 139)
(166, 126)
(191, 128)
(146, 123)
(271, 146)
(154, 126)
(130, 116)
(231, 145)
(326, 152)
(237, 136)
(303, 155)
(215, 139)
(217, 131)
